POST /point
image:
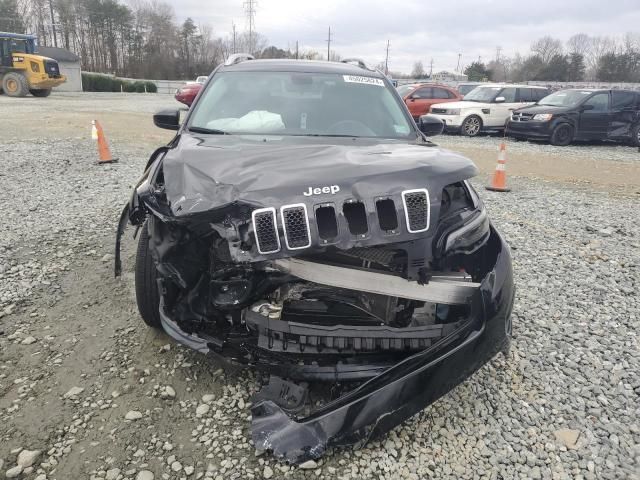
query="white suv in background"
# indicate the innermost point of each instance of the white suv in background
(486, 107)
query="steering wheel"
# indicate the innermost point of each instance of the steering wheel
(350, 127)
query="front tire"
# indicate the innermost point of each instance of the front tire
(635, 135)
(471, 126)
(41, 92)
(562, 135)
(15, 85)
(147, 294)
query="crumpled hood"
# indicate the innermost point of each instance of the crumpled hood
(206, 172)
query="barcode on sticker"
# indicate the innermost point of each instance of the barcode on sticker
(364, 80)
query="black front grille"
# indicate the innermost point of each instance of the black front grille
(327, 222)
(387, 218)
(296, 227)
(521, 117)
(51, 68)
(416, 207)
(356, 215)
(264, 224)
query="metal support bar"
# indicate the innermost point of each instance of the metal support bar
(439, 289)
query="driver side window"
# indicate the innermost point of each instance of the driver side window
(509, 95)
(424, 92)
(600, 102)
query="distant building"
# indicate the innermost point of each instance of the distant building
(446, 76)
(69, 64)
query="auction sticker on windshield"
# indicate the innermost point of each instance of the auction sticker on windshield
(364, 80)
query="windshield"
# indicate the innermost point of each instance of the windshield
(565, 98)
(313, 104)
(404, 90)
(19, 46)
(483, 94)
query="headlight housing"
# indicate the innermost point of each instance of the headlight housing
(35, 67)
(453, 111)
(542, 117)
(463, 224)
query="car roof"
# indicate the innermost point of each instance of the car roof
(587, 89)
(503, 85)
(302, 66)
(426, 84)
(18, 36)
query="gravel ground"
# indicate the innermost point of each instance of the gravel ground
(610, 151)
(87, 391)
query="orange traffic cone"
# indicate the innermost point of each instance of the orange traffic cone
(103, 147)
(499, 182)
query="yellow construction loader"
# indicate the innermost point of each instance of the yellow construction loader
(22, 70)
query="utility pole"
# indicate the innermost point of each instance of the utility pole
(53, 24)
(233, 28)
(458, 66)
(329, 45)
(386, 61)
(296, 49)
(430, 68)
(250, 13)
(498, 50)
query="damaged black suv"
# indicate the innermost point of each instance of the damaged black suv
(301, 223)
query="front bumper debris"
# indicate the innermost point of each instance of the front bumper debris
(401, 391)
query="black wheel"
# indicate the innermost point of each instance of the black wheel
(147, 294)
(15, 85)
(635, 135)
(471, 126)
(562, 135)
(44, 92)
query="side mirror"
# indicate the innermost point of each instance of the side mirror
(167, 119)
(430, 126)
(584, 108)
(499, 100)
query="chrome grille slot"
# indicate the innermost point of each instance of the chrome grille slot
(295, 222)
(387, 218)
(356, 216)
(417, 209)
(266, 230)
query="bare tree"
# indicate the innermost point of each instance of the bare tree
(579, 43)
(418, 70)
(600, 46)
(546, 48)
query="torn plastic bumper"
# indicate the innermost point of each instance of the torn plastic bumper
(401, 391)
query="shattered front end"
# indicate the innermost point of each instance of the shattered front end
(391, 280)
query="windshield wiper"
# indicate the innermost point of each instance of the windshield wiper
(212, 131)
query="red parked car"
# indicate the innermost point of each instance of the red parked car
(420, 96)
(187, 93)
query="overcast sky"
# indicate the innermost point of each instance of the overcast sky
(418, 29)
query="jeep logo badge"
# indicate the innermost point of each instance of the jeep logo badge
(333, 189)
